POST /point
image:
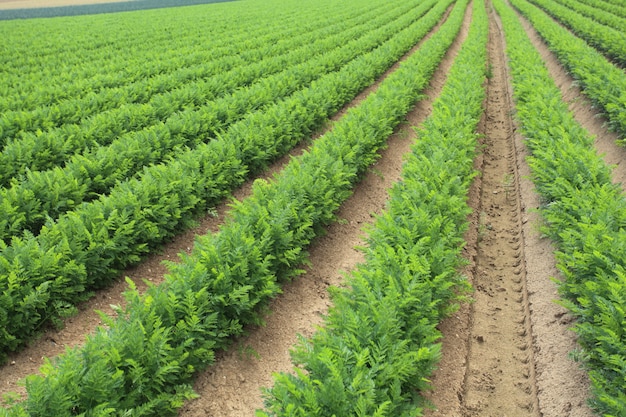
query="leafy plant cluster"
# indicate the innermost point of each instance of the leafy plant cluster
(48, 113)
(86, 248)
(616, 2)
(599, 15)
(58, 59)
(103, 117)
(379, 343)
(607, 6)
(609, 41)
(142, 362)
(585, 214)
(97, 170)
(601, 81)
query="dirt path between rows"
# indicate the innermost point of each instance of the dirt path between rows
(500, 379)
(507, 353)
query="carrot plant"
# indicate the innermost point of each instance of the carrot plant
(96, 171)
(609, 41)
(379, 344)
(246, 81)
(49, 61)
(229, 276)
(601, 81)
(86, 248)
(601, 16)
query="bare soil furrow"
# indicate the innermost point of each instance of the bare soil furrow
(232, 387)
(500, 370)
(507, 354)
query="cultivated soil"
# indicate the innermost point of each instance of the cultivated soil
(505, 354)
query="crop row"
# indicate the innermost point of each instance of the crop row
(601, 81)
(380, 341)
(46, 39)
(601, 16)
(142, 362)
(219, 60)
(619, 3)
(584, 213)
(141, 59)
(606, 6)
(54, 192)
(605, 39)
(86, 248)
(48, 78)
(93, 40)
(214, 103)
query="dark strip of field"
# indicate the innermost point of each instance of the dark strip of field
(77, 10)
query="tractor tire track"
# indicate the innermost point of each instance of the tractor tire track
(500, 378)
(510, 348)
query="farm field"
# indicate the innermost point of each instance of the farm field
(28, 9)
(314, 208)
(13, 4)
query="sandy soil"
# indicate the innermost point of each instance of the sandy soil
(33, 4)
(506, 354)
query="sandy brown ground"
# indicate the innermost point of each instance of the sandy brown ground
(504, 355)
(500, 378)
(34, 4)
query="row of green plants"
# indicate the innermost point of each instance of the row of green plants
(94, 39)
(45, 38)
(49, 74)
(42, 277)
(185, 39)
(172, 91)
(584, 214)
(609, 41)
(380, 342)
(607, 18)
(182, 88)
(102, 34)
(48, 194)
(621, 3)
(218, 100)
(142, 362)
(606, 6)
(601, 81)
